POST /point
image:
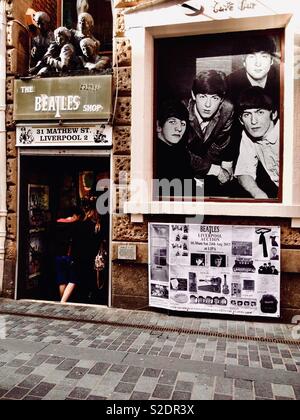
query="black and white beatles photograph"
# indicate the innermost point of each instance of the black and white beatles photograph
(217, 115)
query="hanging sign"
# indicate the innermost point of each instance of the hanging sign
(87, 135)
(63, 98)
(215, 269)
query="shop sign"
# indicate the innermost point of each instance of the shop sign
(87, 135)
(65, 98)
(215, 269)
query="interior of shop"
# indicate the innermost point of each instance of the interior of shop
(50, 187)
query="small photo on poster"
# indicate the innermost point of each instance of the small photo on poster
(236, 289)
(159, 256)
(210, 284)
(192, 282)
(178, 284)
(242, 248)
(269, 268)
(159, 291)
(159, 273)
(248, 285)
(198, 260)
(244, 265)
(274, 256)
(218, 260)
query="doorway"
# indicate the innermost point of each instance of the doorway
(49, 187)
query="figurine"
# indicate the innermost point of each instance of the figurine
(42, 41)
(82, 6)
(90, 59)
(85, 27)
(60, 56)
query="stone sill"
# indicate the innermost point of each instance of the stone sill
(213, 209)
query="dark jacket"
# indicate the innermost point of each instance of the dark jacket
(172, 161)
(213, 146)
(239, 82)
(63, 238)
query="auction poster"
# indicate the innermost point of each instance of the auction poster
(215, 269)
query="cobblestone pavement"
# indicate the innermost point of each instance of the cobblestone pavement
(62, 352)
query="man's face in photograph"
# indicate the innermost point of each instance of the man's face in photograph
(173, 130)
(258, 64)
(257, 122)
(207, 105)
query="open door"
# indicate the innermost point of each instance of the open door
(49, 186)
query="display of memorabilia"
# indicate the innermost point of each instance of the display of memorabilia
(215, 269)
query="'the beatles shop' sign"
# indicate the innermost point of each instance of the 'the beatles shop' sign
(87, 135)
(67, 98)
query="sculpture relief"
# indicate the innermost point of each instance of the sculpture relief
(65, 51)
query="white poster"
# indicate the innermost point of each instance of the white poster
(66, 135)
(215, 269)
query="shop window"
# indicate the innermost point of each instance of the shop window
(218, 116)
(145, 28)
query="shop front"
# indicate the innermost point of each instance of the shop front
(64, 144)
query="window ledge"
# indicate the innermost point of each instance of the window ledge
(206, 208)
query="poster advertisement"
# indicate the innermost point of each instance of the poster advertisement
(215, 269)
(38, 205)
(35, 255)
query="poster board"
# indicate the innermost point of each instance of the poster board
(215, 269)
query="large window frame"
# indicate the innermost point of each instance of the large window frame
(143, 27)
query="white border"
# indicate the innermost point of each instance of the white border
(142, 27)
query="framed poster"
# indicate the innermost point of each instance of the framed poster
(38, 205)
(36, 249)
(215, 269)
(218, 116)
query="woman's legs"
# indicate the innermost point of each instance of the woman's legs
(67, 293)
(62, 288)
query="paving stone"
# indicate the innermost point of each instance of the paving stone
(140, 396)
(54, 360)
(99, 369)
(95, 398)
(224, 386)
(222, 397)
(16, 393)
(80, 393)
(168, 377)
(77, 373)
(42, 389)
(263, 390)
(184, 396)
(24, 370)
(283, 391)
(184, 386)
(31, 381)
(67, 365)
(243, 384)
(243, 394)
(124, 388)
(132, 374)
(152, 373)
(163, 392)
(118, 368)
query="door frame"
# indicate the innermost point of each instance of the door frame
(66, 152)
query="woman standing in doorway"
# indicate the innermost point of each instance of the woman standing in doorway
(67, 277)
(87, 244)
